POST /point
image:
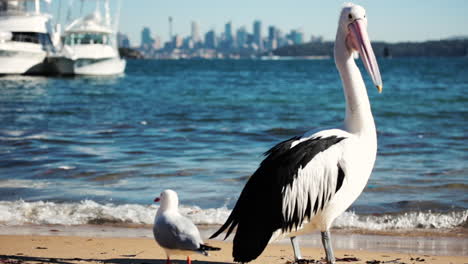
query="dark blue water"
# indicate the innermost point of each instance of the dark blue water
(200, 127)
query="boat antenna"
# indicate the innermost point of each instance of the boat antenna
(107, 13)
(38, 6)
(116, 20)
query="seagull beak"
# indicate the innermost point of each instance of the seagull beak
(157, 199)
(360, 41)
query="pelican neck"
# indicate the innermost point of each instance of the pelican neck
(359, 117)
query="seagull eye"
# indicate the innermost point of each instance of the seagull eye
(350, 16)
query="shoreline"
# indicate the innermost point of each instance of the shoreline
(31, 249)
(439, 243)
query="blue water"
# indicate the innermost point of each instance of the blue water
(200, 127)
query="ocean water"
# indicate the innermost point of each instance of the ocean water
(79, 151)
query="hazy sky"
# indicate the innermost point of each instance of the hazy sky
(395, 20)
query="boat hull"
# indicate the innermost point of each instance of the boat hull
(96, 67)
(22, 62)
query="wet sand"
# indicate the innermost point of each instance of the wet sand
(126, 250)
(426, 242)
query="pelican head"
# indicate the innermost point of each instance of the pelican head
(352, 29)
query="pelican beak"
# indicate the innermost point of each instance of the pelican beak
(360, 42)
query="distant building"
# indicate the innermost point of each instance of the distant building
(157, 43)
(272, 44)
(257, 34)
(210, 40)
(146, 40)
(296, 36)
(123, 40)
(188, 44)
(282, 39)
(177, 41)
(272, 38)
(272, 34)
(170, 27)
(316, 39)
(241, 37)
(229, 40)
(195, 34)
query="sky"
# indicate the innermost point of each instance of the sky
(391, 21)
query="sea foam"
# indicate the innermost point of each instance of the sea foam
(90, 212)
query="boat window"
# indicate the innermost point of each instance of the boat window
(86, 38)
(31, 37)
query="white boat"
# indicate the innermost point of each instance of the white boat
(25, 37)
(90, 46)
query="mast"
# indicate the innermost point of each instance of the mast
(107, 13)
(38, 6)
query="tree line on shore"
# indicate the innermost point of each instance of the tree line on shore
(439, 48)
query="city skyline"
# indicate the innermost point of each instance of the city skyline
(391, 21)
(265, 37)
(230, 43)
(238, 36)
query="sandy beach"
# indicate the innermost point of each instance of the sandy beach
(78, 249)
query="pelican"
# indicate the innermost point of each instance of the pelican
(307, 181)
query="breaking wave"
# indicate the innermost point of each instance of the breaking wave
(90, 212)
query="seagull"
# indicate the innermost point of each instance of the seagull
(175, 233)
(307, 181)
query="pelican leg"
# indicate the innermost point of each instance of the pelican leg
(328, 248)
(296, 248)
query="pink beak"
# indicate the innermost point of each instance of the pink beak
(360, 41)
(157, 199)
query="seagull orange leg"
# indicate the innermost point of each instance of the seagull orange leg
(189, 261)
(168, 261)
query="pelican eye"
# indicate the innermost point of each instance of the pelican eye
(350, 16)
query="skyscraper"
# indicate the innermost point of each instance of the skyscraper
(157, 43)
(228, 34)
(257, 31)
(271, 33)
(272, 37)
(241, 37)
(210, 40)
(282, 39)
(146, 39)
(177, 41)
(195, 32)
(170, 28)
